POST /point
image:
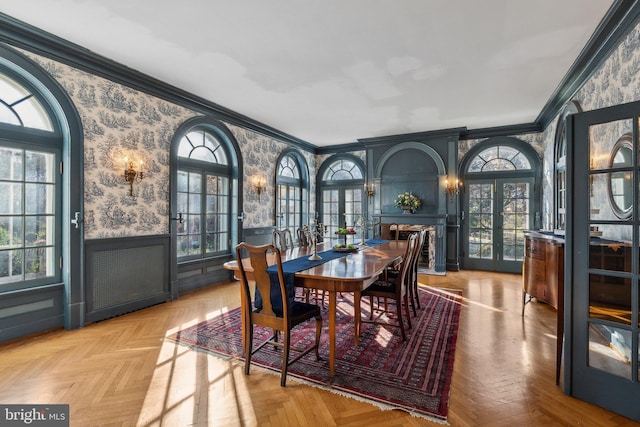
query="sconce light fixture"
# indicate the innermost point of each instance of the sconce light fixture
(370, 189)
(451, 188)
(130, 175)
(259, 185)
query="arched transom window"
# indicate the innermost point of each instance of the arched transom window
(19, 106)
(202, 145)
(342, 169)
(499, 158)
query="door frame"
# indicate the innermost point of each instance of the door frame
(534, 173)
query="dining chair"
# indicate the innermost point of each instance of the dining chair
(422, 237)
(318, 295)
(282, 239)
(393, 288)
(278, 310)
(303, 239)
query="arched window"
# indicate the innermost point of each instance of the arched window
(341, 188)
(203, 196)
(292, 191)
(499, 158)
(30, 186)
(500, 202)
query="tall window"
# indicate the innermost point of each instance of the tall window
(341, 193)
(203, 196)
(29, 188)
(291, 196)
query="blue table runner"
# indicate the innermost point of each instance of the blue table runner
(291, 267)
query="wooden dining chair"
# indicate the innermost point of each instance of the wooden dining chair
(307, 294)
(394, 289)
(303, 239)
(282, 239)
(422, 237)
(277, 310)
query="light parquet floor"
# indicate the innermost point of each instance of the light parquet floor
(122, 371)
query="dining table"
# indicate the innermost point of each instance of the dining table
(352, 272)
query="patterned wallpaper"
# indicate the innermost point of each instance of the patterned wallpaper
(260, 154)
(120, 122)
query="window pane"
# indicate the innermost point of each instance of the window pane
(11, 200)
(39, 198)
(10, 164)
(39, 167)
(10, 232)
(11, 265)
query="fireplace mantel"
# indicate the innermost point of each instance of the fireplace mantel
(438, 221)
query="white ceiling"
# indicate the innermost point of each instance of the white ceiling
(332, 71)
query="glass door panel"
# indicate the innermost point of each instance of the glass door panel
(604, 231)
(498, 213)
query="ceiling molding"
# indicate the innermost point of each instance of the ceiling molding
(22, 35)
(415, 136)
(509, 130)
(618, 21)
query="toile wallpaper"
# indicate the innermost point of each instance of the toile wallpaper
(120, 122)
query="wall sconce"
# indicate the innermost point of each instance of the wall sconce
(259, 185)
(370, 189)
(451, 188)
(130, 174)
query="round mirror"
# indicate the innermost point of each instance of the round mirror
(621, 182)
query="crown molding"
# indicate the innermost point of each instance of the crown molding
(508, 130)
(619, 20)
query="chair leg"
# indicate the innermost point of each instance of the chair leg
(318, 333)
(400, 320)
(416, 295)
(412, 300)
(371, 309)
(248, 346)
(285, 357)
(406, 309)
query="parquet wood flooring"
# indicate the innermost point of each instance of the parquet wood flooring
(122, 371)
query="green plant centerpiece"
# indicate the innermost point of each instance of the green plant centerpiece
(407, 201)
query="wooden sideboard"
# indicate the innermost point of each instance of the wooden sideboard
(543, 278)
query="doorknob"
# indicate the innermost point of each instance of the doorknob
(76, 220)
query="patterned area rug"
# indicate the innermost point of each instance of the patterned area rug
(414, 376)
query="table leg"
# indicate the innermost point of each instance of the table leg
(332, 333)
(356, 316)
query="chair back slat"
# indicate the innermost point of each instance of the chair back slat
(282, 239)
(258, 257)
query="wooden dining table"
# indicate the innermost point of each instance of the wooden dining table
(353, 272)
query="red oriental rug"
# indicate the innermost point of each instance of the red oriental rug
(414, 376)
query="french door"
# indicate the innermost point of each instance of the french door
(602, 292)
(498, 211)
(342, 207)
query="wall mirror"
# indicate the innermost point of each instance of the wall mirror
(621, 181)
